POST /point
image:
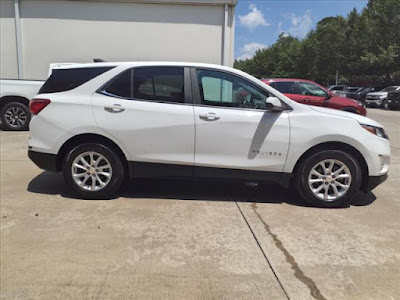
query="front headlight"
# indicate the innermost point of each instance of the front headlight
(360, 104)
(375, 130)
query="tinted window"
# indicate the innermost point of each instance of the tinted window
(122, 85)
(67, 79)
(150, 83)
(352, 89)
(159, 83)
(390, 89)
(309, 89)
(222, 89)
(285, 87)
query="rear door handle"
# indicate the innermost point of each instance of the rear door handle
(115, 108)
(209, 117)
(306, 99)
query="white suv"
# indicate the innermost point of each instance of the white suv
(102, 123)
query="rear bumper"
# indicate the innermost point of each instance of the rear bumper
(44, 161)
(374, 181)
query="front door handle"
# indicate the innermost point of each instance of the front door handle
(209, 117)
(115, 108)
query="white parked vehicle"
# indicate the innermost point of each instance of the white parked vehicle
(15, 95)
(14, 102)
(101, 123)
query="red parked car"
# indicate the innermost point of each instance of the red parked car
(311, 93)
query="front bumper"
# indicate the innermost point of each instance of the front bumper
(44, 161)
(374, 181)
(377, 102)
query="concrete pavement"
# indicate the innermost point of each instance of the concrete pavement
(175, 239)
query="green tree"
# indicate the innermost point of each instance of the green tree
(364, 47)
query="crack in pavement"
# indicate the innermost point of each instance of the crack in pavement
(262, 250)
(298, 273)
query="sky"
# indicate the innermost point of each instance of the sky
(260, 22)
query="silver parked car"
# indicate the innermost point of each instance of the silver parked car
(379, 99)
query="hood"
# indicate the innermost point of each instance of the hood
(377, 94)
(360, 119)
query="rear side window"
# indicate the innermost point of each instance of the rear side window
(164, 84)
(121, 86)
(285, 87)
(62, 80)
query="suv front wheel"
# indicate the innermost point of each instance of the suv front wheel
(94, 171)
(329, 178)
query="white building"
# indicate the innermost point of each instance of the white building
(35, 33)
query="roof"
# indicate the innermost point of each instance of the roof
(187, 2)
(134, 64)
(285, 79)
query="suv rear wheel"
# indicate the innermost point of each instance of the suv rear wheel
(94, 171)
(330, 178)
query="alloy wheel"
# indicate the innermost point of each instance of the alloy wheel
(329, 179)
(91, 171)
(15, 117)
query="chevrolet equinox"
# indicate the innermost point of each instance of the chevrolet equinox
(102, 123)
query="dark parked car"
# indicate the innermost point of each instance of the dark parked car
(349, 92)
(393, 100)
(362, 93)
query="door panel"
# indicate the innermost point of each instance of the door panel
(241, 139)
(233, 129)
(154, 131)
(151, 131)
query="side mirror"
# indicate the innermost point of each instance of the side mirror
(274, 104)
(329, 95)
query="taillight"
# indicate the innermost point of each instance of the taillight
(37, 105)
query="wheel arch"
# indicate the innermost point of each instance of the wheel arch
(338, 146)
(8, 99)
(89, 138)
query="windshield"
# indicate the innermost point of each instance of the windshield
(367, 90)
(390, 89)
(353, 89)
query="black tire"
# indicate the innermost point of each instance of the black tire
(19, 114)
(384, 104)
(350, 109)
(303, 171)
(117, 170)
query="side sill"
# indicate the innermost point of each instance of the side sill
(157, 170)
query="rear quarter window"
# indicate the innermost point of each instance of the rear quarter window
(62, 80)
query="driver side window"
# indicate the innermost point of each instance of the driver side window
(222, 89)
(309, 89)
